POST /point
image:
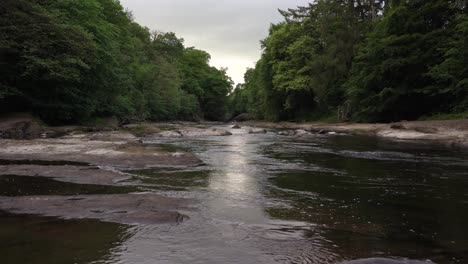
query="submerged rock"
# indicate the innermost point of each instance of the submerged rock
(67, 173)
(386, 261)
(118, 208)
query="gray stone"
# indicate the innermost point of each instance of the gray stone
(118, 208)
(301, 132)
(257, 131)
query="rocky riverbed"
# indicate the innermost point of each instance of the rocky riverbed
(277, 193)
(90, 158)
(449, 133)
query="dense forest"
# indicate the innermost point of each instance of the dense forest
(70, 61)
(361, 60)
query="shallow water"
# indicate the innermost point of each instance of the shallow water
(272, 199)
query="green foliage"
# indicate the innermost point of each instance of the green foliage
(70, 60)
(305, 61)
(390, 79)
(444, 116)
(44, 61)
(452, 74)
(361, 60)
(208, 84)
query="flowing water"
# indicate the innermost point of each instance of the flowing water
(272, 199)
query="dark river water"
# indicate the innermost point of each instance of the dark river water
(271, 199)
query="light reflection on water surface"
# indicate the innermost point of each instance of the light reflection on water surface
(319, 199)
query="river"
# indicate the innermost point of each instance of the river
(264, 198)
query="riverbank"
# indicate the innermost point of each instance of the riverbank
(449, 133)
(92, 171)
(84, 172)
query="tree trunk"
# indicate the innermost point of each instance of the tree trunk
(373, 9)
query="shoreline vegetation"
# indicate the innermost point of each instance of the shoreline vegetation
(377, 61)
(86, 67)
(359, 61)
(72, 62)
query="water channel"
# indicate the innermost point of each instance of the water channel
(264, 198)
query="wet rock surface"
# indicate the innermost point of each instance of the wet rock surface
(257, 131)
(74, 174)
(449, 133)
(97, 152)
(119, 208)
(20, 126)
(177, 130)
(197, 132)
(301, 132)
(81, 175)
(386, 261)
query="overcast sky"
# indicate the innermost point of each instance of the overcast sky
(230, 30)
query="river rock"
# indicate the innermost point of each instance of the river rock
(97, 152)
(257, 131)
(119, 208)
(198, 132)
(301, 132)
(244, 117)
(397, 126)
(236, 126)
(67, 173)
(170, 134)
(284, 133)
(20, 126)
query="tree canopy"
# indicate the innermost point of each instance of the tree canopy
(68, 61)
(361, 60)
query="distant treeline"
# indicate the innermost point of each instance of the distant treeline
(361, 60)
(73, 60)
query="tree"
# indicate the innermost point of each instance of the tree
(390, 79)
(452, 74)
(69, 61)
(45, 62)
(210, 85)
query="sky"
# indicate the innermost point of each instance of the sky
(230, 30)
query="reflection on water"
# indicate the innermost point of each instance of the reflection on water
(319, 199)
(13, 185)
(39, 240)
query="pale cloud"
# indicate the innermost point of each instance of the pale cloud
(229, 30)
